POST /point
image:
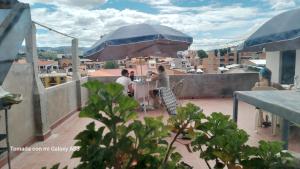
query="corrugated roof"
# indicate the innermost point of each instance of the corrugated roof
(46, 62)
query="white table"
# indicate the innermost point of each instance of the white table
(141, 92)
(285, 104)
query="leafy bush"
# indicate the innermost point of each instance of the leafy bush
(111, 65)
(202, 54)
(218, 139)
(123, 141)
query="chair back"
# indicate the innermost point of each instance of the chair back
(168, 99)
(177, 88)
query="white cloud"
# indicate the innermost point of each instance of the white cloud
(75, 3)
(156, 2)
(282, 4)
(88, 25)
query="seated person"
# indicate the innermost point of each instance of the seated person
(125, 81)
(131, 75)
(162, 80)
(265, 76)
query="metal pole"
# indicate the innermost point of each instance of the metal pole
(7, 138)
(235, 108)
(285, 134)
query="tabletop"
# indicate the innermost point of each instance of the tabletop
(283, 103)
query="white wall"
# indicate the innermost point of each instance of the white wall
(273, 63)
(297, 71)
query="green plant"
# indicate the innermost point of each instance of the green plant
(121, 141)
(218, 139)
(111, 65)
(268, 155)
(182, 122)
(202, 54)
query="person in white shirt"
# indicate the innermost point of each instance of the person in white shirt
(125, 81)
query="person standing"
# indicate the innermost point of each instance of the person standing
(162, 80)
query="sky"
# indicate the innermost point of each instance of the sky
(212, 23)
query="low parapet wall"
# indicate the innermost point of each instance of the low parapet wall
(62, 101)
(206, 85)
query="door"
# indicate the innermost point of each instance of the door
(288, 64)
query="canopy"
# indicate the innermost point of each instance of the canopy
(139, 40)
(280, 33)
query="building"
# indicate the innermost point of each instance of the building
(64, 63)
(193, 58)
(219, 58)
(53, 79)
(244, 57)
(211, 63)
(47, 66)
(285, 65)
(94, 65)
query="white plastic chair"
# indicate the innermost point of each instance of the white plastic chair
(168, 100)
(259, 113)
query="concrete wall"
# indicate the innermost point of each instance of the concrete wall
(207, 85)
(273, 63)
(21, 120)
(84, 91)
(62, 100)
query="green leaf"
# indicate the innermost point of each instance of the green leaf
(176, 157)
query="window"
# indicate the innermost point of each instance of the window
(288, 59)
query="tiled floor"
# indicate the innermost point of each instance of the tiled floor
(63, 136)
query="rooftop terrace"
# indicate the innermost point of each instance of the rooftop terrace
(63, 135)
(57, 122)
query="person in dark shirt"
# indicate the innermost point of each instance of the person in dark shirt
(131, 76)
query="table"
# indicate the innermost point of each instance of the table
(141, 92)
(285, 104)
(5, 136)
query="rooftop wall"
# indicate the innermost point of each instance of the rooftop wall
(62, 101)
(21, 121)
(206, 85)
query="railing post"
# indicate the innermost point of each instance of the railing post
(75, 71)
(285, 134)
(75, 60)
(39, 92)
(235, 108)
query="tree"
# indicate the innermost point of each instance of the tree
(202, 54)
(216, 52)
(47, 55)
(111, 65)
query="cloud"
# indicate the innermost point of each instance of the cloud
(233, 21)
(74, 3)
(156, 2)
(281, 4)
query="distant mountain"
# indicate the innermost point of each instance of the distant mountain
(66, 50)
